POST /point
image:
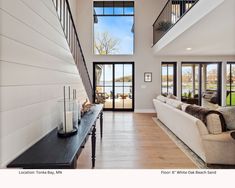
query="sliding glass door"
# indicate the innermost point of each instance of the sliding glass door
(114, 85)
(211, 88)
(230, 98)
(201, 84)
(190, 83)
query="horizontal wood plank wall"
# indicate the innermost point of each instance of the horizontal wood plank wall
(35, 64)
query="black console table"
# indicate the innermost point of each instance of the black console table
(53, 152)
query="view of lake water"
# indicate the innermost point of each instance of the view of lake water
(118, 87)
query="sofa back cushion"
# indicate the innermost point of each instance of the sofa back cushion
(229, 116)
(214, 124)
(174, 103)
(171, 96)
(213, 120)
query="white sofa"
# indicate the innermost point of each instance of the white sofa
(211, 148)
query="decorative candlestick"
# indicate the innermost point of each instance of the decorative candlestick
(69, 121)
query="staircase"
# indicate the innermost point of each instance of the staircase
(65, 16)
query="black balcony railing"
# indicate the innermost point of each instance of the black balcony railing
(67, 23)
(172, 12)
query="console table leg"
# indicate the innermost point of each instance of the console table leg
(93, 145)
(101, 125)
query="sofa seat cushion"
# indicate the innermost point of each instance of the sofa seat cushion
(174, 103)
(229, 116)
(214, 120)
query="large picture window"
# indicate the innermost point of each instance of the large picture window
(169, 78)
(113, 27)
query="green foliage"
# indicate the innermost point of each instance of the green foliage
(228, 99)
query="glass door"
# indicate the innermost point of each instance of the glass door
(210, 84)
(114, 85)
(190, 83)
(201, 84)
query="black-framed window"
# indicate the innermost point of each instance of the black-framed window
(113, 27)
(114, 8)
(169, 78)
(230, 94)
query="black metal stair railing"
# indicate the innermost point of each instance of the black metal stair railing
(68, 25)
(172, 12)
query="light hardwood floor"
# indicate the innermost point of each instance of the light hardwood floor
(133, 141)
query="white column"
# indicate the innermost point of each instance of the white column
(223, 83)
(178, 79)
(204, 77)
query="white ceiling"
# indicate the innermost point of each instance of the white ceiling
(214, 34)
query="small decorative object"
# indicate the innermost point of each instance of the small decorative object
(77, 117)
(78, 114)
(86, 107)
(69, 116)
(148, 77)
(123, 96)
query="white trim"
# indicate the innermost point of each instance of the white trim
(178, 78)
(149, 110)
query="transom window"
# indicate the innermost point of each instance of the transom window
(113, 27)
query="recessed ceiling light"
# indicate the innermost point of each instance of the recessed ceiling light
(188, 49)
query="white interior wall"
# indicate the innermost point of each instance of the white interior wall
(145, 14)
(200, 10)
(35, 64)
(73, 6)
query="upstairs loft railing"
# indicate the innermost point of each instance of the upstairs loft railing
(67, 23)
(172, 12)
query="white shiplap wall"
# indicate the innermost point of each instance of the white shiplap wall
(35, 64)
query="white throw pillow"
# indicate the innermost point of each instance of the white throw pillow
(161, 98)
(184, 106)
(214, 124)
(174, 103)
(229, 116)
(171, 96)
